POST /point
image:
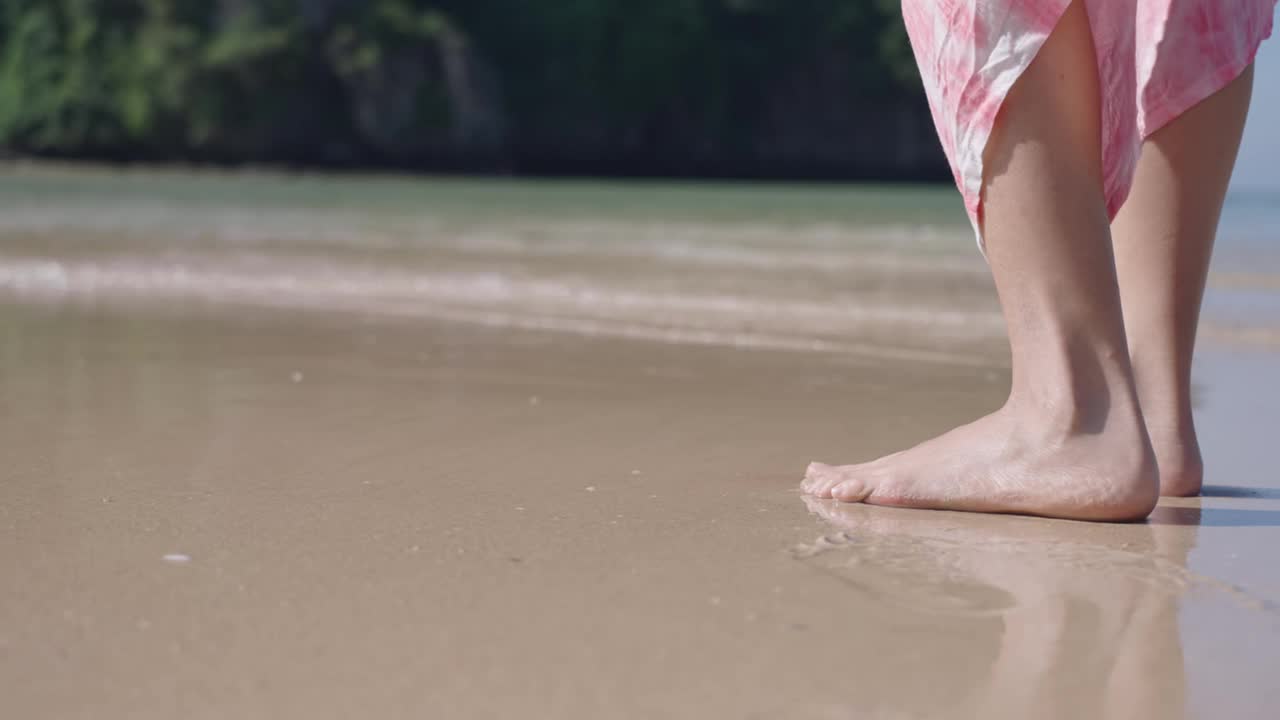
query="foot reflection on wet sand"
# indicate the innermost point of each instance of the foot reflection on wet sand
(1089, 614)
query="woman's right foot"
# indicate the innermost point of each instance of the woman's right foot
(1163, 240)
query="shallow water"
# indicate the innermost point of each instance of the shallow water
(269, 456)
(877, 270)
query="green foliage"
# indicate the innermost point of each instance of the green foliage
(358, 41)
(302, 79)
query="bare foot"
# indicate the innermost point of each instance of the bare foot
(1008, 463)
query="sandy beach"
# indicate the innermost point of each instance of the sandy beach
(272, 457)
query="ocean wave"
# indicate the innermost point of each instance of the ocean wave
(638, 307)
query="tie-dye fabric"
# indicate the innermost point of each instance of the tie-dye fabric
(1156, 59)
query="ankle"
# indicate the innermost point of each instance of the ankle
(1077, 392)
(1114, 432)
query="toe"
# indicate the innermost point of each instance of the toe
(819, 479)
(813, 476)
(852, 488)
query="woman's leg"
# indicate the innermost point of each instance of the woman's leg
(1163, 238)
(1070, 442)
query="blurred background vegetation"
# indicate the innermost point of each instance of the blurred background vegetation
(743, 88)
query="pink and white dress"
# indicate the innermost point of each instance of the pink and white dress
(1156, 59)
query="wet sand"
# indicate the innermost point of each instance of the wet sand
(221, 507)
(376, 519)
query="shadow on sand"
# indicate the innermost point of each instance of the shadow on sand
(1236, 491)
(1214, 517)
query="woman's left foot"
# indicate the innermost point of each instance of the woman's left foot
(1009, 462)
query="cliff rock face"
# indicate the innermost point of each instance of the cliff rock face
(477, 124)
(811, 123)
(435, 102)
